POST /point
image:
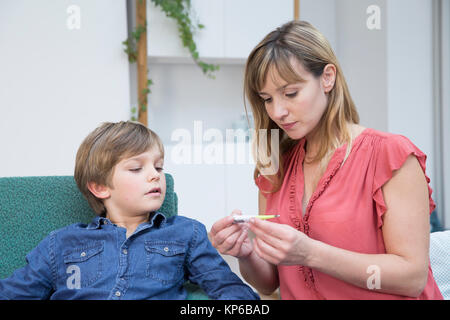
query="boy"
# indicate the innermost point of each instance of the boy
(130, 250)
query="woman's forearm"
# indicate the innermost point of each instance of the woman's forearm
(262, 275)
(388, 273)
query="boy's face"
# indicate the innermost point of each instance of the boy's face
(139, 184)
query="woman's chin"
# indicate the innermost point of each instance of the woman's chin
(295, 135)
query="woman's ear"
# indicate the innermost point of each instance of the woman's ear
(328, 77)
(99, 190)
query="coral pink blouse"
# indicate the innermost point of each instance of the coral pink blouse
(344, 211)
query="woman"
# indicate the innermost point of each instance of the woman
(354, 203)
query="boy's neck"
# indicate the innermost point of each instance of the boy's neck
(128, 222)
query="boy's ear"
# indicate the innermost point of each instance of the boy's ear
(99, 190)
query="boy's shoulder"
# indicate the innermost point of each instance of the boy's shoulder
(183, 221)
(69, 228)
(185, 227)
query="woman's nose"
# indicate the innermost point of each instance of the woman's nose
(279, 110)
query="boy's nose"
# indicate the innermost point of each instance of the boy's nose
(153, 175)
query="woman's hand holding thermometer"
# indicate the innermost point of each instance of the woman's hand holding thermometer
(229, 235)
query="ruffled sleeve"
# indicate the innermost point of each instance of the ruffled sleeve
(392, 154)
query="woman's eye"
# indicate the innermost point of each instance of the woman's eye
(267, 100)
(135, 169)
(159, 169)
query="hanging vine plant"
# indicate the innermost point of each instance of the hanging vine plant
(180, 11)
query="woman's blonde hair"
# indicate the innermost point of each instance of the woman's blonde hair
(106, 146)
(301, 41)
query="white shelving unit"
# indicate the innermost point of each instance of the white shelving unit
(233, 28)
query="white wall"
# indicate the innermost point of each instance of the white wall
(389, 70)
(322, 15)
(58, 84)
(446, 107)
(410, 73)
(362, 55)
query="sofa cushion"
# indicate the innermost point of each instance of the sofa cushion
(32, 207)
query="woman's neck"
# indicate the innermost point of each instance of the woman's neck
(312, 145)
(313, 140)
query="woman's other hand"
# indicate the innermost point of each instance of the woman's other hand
(279, 243)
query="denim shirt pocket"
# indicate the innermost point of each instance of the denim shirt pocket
(83, 265)
(165, 260)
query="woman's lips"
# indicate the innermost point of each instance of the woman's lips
(288, 126)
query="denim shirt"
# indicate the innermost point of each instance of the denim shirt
(97, 261)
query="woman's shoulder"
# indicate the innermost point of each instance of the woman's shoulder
(389, 151)
(378, 133)
(386, 149)
(384, 139)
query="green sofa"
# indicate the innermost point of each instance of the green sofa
(31, 207)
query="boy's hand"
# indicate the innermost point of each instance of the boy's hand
(231, 238)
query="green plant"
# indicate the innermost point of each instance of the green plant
(180, 11)
(131, 43)
(142, 103)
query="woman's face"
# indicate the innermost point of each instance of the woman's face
(296, 107)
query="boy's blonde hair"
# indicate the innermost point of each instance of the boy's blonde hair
(103, 148)
(301, 41)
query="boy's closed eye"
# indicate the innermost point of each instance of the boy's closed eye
(291, 95)
(158, 168)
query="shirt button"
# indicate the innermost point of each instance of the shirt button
(83, 254)
(166, 249)
(125, 251)
(117, 293)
